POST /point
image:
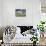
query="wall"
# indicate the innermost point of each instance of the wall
(32, 12)
(0, 12)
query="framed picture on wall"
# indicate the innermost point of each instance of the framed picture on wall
(20, 12)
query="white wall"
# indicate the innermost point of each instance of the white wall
(0, 12)
(36, 12)
(32, 12)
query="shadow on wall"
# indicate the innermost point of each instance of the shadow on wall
(1, 33)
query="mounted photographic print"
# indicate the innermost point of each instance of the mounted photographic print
(20, 12)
